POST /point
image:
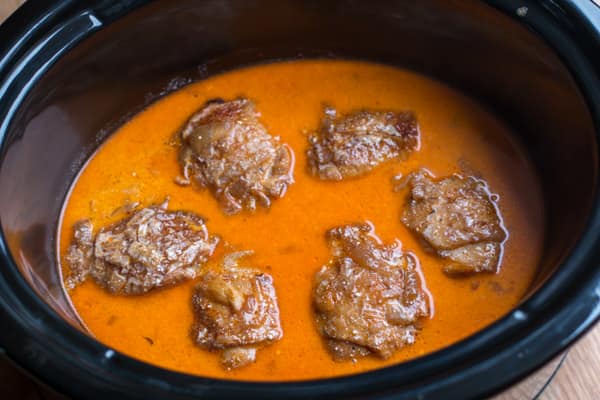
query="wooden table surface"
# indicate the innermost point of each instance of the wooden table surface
(577, 374)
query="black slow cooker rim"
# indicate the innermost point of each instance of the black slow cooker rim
(544, 325)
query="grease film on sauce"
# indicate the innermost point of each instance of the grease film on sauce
(300, 220)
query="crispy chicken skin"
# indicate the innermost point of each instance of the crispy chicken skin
(151, 248)
(369, 297)
(226, 149)
(236, 311)
(354, 144)
(457, 218)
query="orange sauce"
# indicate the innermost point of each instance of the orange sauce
(139, 163)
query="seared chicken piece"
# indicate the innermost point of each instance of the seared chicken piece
(354, 144)
(235, 311)
(149, 249)
(458, 219)
(226, 149)
(369, 297)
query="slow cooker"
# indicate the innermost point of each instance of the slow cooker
(74, 70)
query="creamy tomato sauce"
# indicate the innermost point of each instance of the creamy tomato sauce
(138, 163)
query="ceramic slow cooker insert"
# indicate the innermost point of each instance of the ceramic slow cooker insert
(71, 72)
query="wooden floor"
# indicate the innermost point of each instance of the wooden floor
(574, 375)
(579, 376)
(7, 7)
(577, 373)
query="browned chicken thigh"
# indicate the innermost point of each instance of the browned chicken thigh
(235, 311)
(458, 219)
(226, 149)
(369, 297)
(149, 249)
(353, 144)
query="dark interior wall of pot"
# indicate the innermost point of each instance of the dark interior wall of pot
(99, 83)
